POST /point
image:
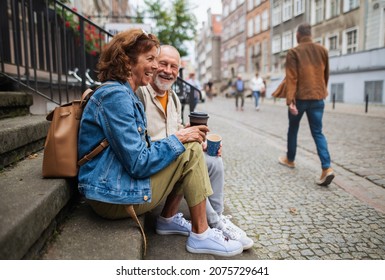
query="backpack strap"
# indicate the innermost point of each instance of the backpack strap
(130, 210)
(102, 145)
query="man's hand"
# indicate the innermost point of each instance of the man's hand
(192, 134)
(293, 109)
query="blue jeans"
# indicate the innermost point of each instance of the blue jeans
(256, 95)
(314, 110)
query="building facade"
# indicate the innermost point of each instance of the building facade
(208, 50)
(258, 47)
(233, 47)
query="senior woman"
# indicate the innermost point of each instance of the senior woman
(134, 171)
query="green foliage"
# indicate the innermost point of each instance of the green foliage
(175, 24)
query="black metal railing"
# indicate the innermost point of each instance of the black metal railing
(186, 93)
(49, 49)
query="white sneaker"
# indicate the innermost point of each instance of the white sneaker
(177, 225)
(215, 243)
(235, 233)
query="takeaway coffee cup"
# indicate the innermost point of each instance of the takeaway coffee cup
(213, 144)
(198, 118)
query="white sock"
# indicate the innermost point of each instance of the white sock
(202, 235)
(166, 220)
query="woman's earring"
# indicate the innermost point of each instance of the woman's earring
(129, 73)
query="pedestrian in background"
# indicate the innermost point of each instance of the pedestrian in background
(209, 90)
(239, 86)
(257, 86)
(307, 75)
(195, 83)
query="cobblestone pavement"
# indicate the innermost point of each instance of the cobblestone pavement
(283, 210)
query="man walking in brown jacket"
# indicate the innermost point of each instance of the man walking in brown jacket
(307, 74)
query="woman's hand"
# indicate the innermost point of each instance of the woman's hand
(192, 134)
(204, 147)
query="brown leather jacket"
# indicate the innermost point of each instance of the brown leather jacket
(307, 71)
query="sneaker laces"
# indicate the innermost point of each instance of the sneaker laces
(218, 234)
(230, 229)
(178, 219)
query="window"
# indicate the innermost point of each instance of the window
(333, 43)
(250, 30)
(257, 24)
(225, 10)
(257, 2)
(241, 50)
(265, 55)
(276, 14)
(226, 55)
(351, 41)
(287, 10)
(318, 11)
(334, 9)
(350, 5)
(276, 48)
(337, 92)
(286, 40)
(250, 5)
(250, 59)
(209, 46)
(299, 7)
(232, 53)
(257, 48)
(265, 20)
(233, 5)
(242, 23)
(374, 91)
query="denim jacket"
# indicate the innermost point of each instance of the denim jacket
(121, 173)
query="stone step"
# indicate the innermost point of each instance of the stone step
(30, 208)
(86, 236)
(14, 104)
(21, 137)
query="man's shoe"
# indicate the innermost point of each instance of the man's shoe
(178, 225)
(286, 162)
(327, 177)
(215, 243)
(235, 233)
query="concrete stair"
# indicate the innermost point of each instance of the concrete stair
(47, 218)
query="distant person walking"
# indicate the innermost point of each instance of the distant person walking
(195, 97)
(257, 86)
(307, 75)
(209, 90)
(239, 86)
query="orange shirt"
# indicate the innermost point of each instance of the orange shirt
(163, 100)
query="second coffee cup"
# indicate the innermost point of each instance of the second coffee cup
(198, 118)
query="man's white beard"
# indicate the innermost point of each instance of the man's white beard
(163, 86)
